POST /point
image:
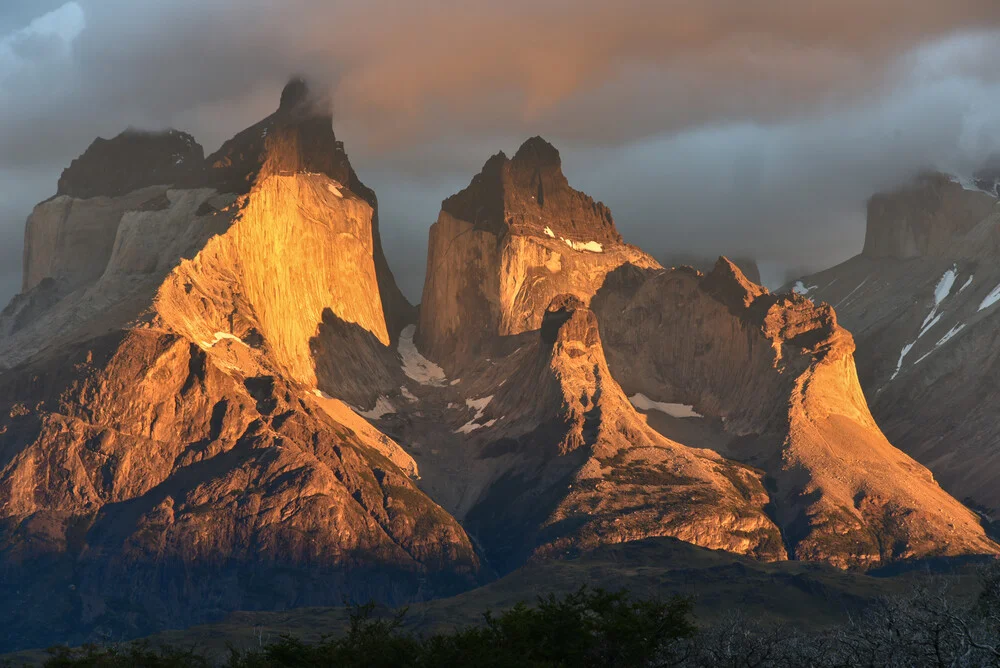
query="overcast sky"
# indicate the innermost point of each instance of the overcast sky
(708, 126)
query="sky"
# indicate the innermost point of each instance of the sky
(708, 126)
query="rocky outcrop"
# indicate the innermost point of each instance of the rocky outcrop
(588, 471)
(705, 264)
(773, 377)
(504, 247)
(158, 486)
(175, 434)
(926, 330)
(299, 138)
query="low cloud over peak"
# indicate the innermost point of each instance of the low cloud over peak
(707, 126)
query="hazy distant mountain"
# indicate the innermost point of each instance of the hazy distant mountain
(922, 300)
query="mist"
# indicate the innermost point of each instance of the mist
(708, 127)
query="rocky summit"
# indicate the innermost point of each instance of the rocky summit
(214, 397)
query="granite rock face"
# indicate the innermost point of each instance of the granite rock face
(213, 395)
(174, 437)
(508, 244)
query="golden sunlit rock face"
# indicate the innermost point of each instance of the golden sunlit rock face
(504, 247)
(300, 245)
(166, 425)
(213, 395)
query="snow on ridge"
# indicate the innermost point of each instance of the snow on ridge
(644, 403)
(800, 288)
(990, 299)
(416, 366)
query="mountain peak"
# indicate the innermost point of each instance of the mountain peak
(538, 153)
(295, 93)
(134, 159)
(528, 195)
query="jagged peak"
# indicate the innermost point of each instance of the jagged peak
(727, 283)
(530, 195)
(132, 160)
(295, 93)
(537, 152)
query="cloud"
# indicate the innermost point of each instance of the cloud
(707, 125)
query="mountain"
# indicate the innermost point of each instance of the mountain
(773, 380)
(921, 301)
(170, 449)
(214, 397)
(504, 247)
(765, 443)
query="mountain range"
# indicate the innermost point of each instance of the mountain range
(214, 396)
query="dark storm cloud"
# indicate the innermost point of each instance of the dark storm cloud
(707, 125)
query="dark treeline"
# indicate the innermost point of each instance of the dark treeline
(929, 626)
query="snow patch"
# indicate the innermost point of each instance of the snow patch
(382, 407)
(220, 336)
(967, 283)
(335, 189)
(644, 403)
(478, 405)
(456, 381)
(801, 289)
(927, 325)
(416, 366)
(409, 396)
(902, 355)
(990, 299)
(592, 246)
(943, 340)
(549, 232)
(321, 394)
(941, 292)
(970, 185)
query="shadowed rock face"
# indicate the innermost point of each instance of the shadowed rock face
(593, 472)
(173, 444)
(922, 219)
(926, 328)
(777, 374)
(132, 160)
